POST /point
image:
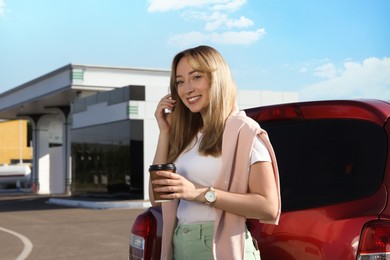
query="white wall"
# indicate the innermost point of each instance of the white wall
(255, 98)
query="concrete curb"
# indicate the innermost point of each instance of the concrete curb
(100, 204)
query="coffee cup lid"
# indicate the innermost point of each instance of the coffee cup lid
(166, 166)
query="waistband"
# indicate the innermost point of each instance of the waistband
(195, 227)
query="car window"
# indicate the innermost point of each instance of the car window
(324, 162)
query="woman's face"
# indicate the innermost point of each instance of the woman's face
(193, 87)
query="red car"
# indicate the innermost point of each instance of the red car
(334, 162)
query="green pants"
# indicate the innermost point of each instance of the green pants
(194, 241)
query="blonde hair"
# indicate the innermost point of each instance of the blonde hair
(185, 124)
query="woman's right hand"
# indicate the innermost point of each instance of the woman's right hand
(164, 118)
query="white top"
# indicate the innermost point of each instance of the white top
(204, 170)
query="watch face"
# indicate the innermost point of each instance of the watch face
(210, 196)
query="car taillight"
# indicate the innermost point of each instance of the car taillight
(275, 113)
(375, 241)
(140, 244)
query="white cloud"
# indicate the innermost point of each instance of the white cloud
(2, 7)
(367, 79)
(240, 38)
(240, 23)
(195, 38)
(194, 14)
(218, 20)
(215, 14)
(215, 21)
(215, 5)
(169, 5)
(229, 6)
(303, 70)
(327, 70)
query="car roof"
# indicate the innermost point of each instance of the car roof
(374, 110)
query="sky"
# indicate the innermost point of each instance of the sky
(322, 49)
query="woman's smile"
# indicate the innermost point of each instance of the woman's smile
(193, 100)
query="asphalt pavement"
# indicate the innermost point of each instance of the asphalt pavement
(38, 227)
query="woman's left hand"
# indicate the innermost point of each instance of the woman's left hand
(178, 186)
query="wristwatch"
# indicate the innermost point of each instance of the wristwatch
(210, 196)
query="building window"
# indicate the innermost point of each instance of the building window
(29, 134)
(109, 159)
(137, 93)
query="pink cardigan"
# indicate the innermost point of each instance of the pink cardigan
(229, 229)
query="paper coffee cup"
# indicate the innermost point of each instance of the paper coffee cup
(153, 176)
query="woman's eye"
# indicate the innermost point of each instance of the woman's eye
(179, 82)
(197, 76)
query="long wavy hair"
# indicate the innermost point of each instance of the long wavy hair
(185, 124)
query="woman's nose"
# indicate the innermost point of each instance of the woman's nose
(189, 89)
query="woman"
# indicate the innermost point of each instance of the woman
(226, 167)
